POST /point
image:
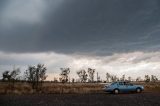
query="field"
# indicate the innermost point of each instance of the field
(50, 88)
(58, 94)
(60, 88)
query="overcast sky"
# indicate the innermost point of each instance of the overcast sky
(116, 36)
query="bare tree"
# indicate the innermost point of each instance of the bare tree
(41, 73)
(82, 75)
(36, 74)
(91, 74)
(30, 75)
(64, 74)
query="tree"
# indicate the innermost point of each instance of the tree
(108, 76)
(64, 74)
(82, 75)
(113, 78)
(15, 73)
(91, 74)
(41, 72)
(154, 78)
(123, 78)
(35, 74)
(30, 75)
(98, 78)
(6, 76)
(11, 75)
(147, 78)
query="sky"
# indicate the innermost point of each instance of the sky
(115, 36)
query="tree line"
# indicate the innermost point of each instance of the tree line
(36, 75)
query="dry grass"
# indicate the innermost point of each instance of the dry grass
(59, 88)
(18, 88)
(72, 88)
(152, 87)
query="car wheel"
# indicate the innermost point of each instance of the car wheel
(116, 91)
(138, 90)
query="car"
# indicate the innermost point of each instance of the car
(123, 86)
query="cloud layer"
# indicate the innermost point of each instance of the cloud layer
(116, 36)
(100, 27)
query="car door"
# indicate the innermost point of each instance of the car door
(130, 87)
(122, 87)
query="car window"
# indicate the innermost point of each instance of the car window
(113, 83)
(121, 83)
(126, 83)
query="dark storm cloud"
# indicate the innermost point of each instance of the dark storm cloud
(98, 26)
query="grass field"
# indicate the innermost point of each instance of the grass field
(59, 88)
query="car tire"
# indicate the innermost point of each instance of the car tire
(138, 90)
(116, 91)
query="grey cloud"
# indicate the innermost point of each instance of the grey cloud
(99, 26)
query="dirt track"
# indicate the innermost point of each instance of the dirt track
(104, 99)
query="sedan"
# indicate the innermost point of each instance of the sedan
(123, 86)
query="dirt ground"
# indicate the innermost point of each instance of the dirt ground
(99, 99)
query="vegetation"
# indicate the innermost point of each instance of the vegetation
(64, 74)
(91, 74)
(35, 76)
(10, 75)
(82, 75)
